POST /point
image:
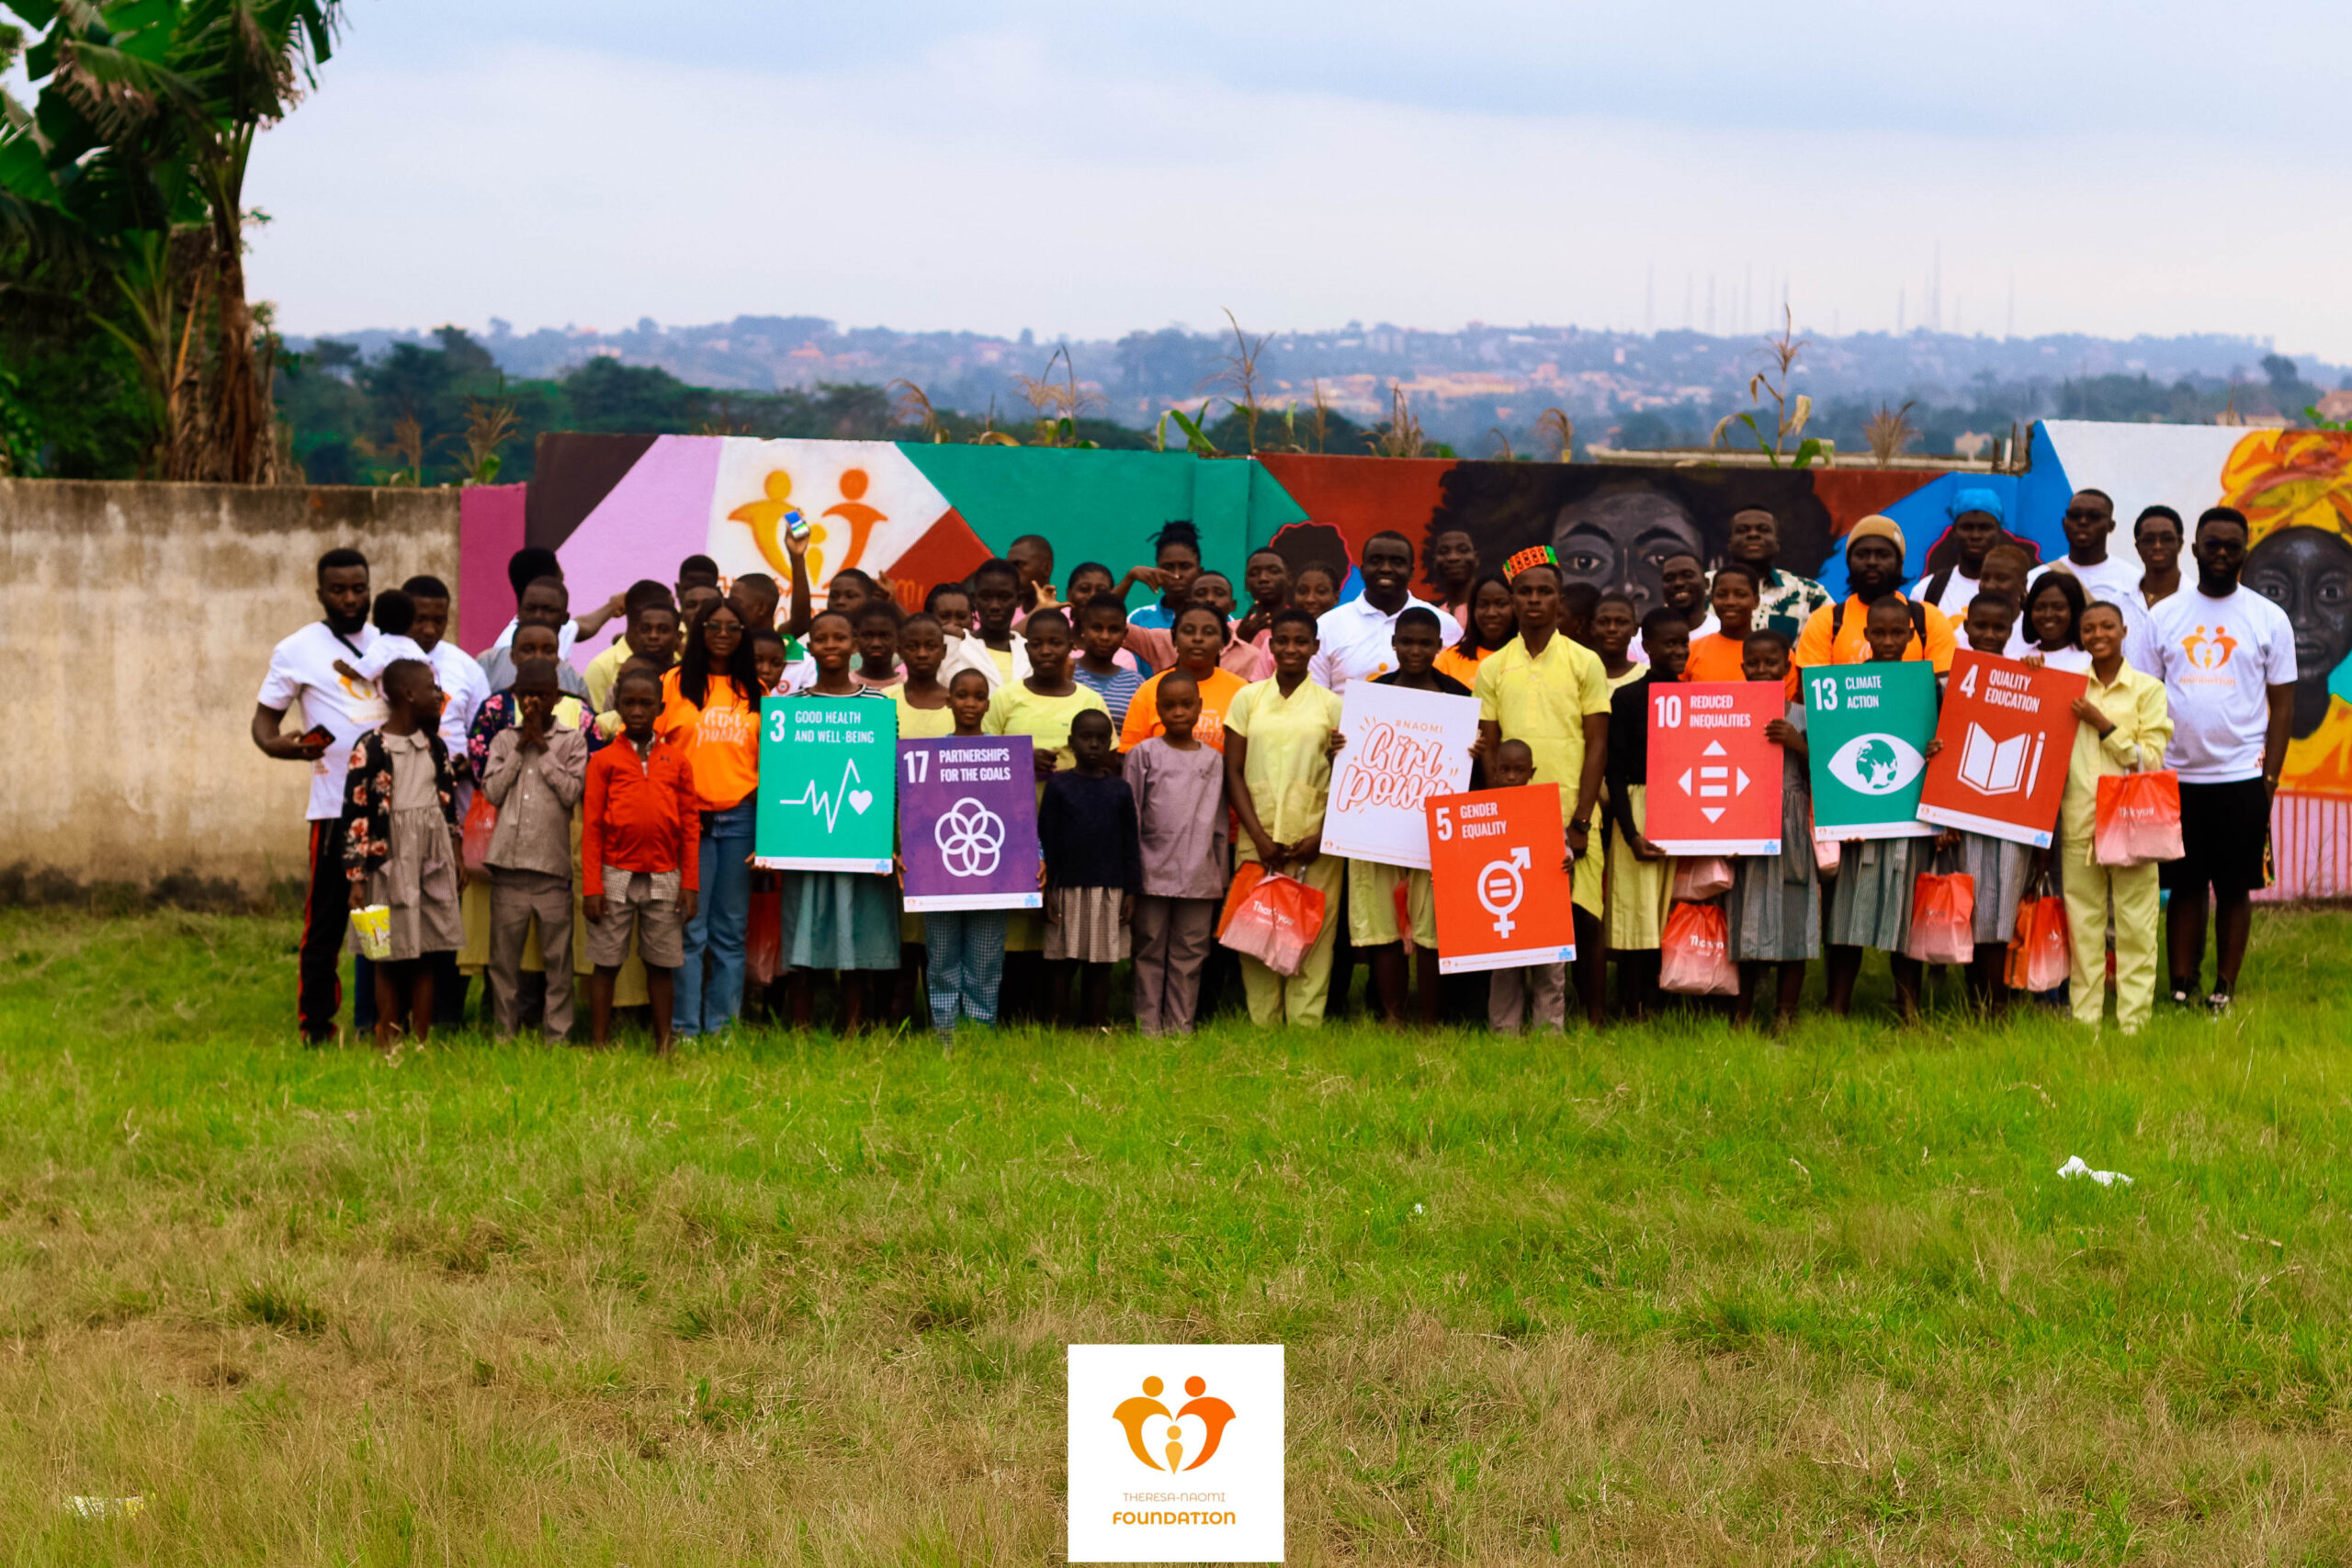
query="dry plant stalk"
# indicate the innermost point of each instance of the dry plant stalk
(408, 446)
(910, 404)
(487, 428)
(1789, 417)
(1239, 378)
(1058, 405)
(1320, 426)
(1401, 436)
(1889, 431)
(1555, 424)
(1502, 441)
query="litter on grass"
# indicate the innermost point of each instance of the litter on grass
(106, 1507)
(2075, 1167)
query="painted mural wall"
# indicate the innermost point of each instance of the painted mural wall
(619, 508)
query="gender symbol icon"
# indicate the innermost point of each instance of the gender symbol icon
(970, 839)
(1501, 885)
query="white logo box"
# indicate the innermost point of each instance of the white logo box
(1215, 1413)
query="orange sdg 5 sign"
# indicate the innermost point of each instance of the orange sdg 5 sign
(1503, 896)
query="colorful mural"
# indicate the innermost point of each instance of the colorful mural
(618, 508)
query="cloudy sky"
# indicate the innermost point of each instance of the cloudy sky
(2161, 167)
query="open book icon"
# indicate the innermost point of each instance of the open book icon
(2000, 767)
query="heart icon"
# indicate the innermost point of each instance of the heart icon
(859, 799)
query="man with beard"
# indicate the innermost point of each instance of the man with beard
(1832, 634)
(1786, 599)
(2229, 673)
(338, 710)
(1358, 638)
(2089, 523)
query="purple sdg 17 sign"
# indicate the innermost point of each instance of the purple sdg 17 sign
(967, 823)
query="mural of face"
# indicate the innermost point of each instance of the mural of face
(2308, 573)
(1617, 541)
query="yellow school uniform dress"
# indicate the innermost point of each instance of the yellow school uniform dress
(1544, 700)
(1288, 774)
(1014, 709)
(2135, 705)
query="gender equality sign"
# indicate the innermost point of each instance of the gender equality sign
(967, 815)
(1504, 898)
(826, 774)
(1867, 729)
(1403, 746)
(2008, 735)
(1715, 785)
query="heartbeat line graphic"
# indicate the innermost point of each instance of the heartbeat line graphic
(831, 806)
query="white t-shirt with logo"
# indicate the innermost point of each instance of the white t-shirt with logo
(2221, 657)
(301, 670)
(2113, 580)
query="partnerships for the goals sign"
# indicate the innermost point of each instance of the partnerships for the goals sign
(967, 815)
(827, 769)
(2009, 737)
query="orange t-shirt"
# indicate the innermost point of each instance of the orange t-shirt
(720, 738)
(1717, 658)
(1217, 692)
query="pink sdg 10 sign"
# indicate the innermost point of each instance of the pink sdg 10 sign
(1715, 785)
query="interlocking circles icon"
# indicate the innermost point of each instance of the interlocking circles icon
(970, 839)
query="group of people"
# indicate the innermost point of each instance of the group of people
(515, 816)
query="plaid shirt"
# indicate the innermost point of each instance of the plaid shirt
(1789, 601)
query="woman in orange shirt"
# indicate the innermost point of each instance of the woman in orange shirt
(1492, 623)
(711, 711)
(1200, 635)
(1718, 657)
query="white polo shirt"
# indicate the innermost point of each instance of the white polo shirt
(301, 670)
(1359, 641)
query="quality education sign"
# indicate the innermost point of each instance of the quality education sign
(827, 771)
(1403, 746)
(1867, 729)
(2009, 737)
(967, 819)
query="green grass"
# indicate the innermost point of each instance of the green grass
(1666, 1295)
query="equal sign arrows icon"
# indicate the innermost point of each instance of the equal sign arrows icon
(1716, 781)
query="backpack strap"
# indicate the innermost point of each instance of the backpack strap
(1918, 621)
(1937, 584)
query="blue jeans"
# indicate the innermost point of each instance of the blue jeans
(722, 911)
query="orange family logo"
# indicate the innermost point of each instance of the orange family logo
(1213, 1413)
(2209, 647)
(769, 517)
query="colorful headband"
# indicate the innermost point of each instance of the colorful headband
(1534, 554)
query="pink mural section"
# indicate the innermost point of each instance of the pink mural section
(490, 529)
(670, 486)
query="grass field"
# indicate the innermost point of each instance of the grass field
(1668, 1296)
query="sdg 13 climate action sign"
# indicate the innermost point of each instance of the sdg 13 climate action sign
(1867, 729)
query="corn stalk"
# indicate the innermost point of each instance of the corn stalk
(1790, 414)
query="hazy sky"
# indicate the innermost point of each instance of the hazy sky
(2160, 167)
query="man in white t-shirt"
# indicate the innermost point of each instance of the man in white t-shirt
(2090, 524)
(337, 710)
(1359, 638)
(2229, 673)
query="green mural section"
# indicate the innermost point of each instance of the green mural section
(1107, 505)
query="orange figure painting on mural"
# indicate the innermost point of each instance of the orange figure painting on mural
(766, 516)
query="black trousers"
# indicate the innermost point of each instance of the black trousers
(326, 917)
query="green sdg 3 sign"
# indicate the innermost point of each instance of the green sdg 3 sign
(1867, 729)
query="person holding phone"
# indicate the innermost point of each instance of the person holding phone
(336, 710)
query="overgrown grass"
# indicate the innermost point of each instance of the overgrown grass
(1668, 1296)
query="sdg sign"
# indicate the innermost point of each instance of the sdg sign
(826, 772)
(2008, 735)
(1867, 729)
(1715, 785)
(967, 815)
(1503, 898)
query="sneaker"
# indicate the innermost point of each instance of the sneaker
(2183, 997)
(2218, 1003)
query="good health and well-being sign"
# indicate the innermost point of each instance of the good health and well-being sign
(967, 823)
(1867, 729)
(827, 767)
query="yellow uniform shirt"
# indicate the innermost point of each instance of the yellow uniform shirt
(2135, 705)
(923, 724)
(1014, 709)
(603, 672)
(1288, 772)
(1544, 700)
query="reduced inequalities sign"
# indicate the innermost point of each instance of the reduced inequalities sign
(826, 801)
(1867, 729)
(967, 812)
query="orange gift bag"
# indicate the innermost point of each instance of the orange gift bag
(1695, 952)
(2139, 818)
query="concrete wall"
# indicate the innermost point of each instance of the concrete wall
(135, 622)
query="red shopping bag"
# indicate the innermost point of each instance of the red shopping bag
(1943, 918)
(2139, 818)
(481, 820)
(1246, 878)
(1698, 878)
(1694, 955)
(764, 937)
(2040, 959)
(1276, 923)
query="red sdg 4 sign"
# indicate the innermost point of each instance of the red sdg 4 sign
(1715, 785)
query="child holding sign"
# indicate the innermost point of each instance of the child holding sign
(1543, 988)
(1775, 904)
(845, 921)
(1639, 871)
(1871, 905)
(1374, 890)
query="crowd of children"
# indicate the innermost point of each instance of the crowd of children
(606, 824)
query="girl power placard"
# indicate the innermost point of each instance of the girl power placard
(1404, 748)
